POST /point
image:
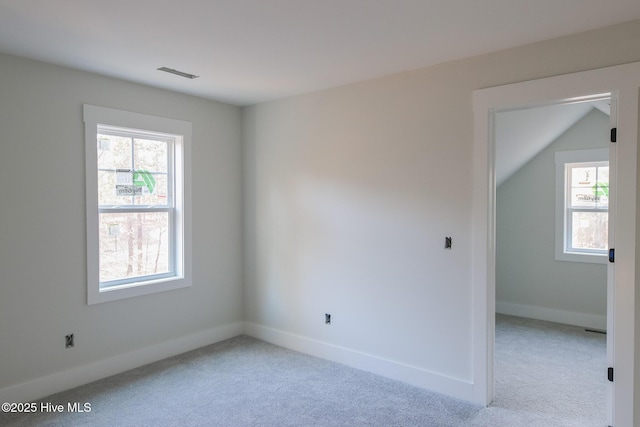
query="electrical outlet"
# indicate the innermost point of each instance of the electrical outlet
(68, 341)
(327, 318)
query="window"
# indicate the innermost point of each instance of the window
(138, 216)
(582, 200)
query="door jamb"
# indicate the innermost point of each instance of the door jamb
(623, 81)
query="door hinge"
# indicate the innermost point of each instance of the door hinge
(612, 255)
(610, 374)
(614, 135)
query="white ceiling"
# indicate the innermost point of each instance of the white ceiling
(521, 134)
(250, 51)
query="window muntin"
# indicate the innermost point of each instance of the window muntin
(138, 204)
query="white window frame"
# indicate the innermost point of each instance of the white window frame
(562, 158)
(180, 277)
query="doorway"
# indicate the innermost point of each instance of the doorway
(546, 363)
(622, 82)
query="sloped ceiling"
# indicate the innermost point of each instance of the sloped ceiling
(522, 134)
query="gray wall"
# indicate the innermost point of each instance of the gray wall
(529, 281)
(42, 210)
(351, 191)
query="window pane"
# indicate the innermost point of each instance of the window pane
(150, 155)
(582, 181)
(107, 194)
(132, 172)
(151, 171)
(589, 230)
(160, 186)
(133, 245)
(589, 187)
(114, 152)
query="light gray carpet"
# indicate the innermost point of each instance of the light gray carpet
(551, 370)
(246, 382)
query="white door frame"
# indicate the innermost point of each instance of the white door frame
(622, 82)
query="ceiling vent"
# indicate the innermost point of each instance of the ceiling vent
(178, 73)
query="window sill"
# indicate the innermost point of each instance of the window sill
(137, 289)
(582, 257)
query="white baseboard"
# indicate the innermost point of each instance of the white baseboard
(41, 387)
(60, 381)
(388, 368)
(590, 321)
